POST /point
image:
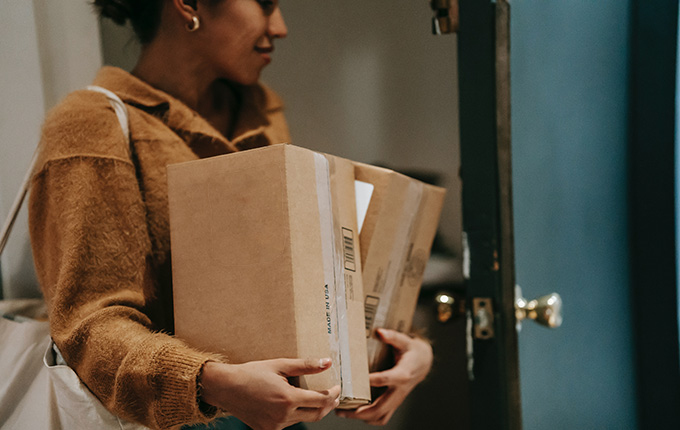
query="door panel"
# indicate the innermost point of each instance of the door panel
(571, 122)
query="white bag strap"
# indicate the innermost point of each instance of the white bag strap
(118, 107)
(18, 200)
(122, 114)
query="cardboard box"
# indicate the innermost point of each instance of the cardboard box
(396, 239)
(265, 262)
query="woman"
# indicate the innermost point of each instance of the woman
(100, 233)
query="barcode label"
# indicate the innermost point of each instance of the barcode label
(370, 308)
(348, 247)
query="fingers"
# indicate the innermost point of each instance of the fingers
(297, 405)
(311, 406)
(315, 414)
(298, 366)
(302, 398)
(377, 413)
(412, 365)
(317, 399)
(399, 341)
(389, 378)
(258, 393)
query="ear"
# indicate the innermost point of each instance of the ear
(192, 3)
(186, 8)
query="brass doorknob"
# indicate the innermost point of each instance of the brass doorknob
(546, 310)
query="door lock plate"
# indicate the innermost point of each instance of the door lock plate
(482, 311)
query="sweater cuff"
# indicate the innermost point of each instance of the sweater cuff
(179, 370)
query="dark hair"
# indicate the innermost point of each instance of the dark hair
(144, 15)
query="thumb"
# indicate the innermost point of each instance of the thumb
(289, 367)
(399, 341)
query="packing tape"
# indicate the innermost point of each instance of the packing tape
(333, 310)
(341, 297)
(397, 263)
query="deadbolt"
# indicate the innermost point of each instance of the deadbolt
(445, 304)
(449, 306)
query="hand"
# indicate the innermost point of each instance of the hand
(413, 362)
(259, 394)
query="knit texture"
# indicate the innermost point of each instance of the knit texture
(101, 239)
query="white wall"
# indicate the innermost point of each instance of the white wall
(69, 46)
(48, 49)
(367, 80)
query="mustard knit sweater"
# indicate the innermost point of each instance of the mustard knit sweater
(100, 235)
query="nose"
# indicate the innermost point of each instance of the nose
(277, 26)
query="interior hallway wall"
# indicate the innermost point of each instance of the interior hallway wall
(21, 113)
(368, 81)
(49, 48)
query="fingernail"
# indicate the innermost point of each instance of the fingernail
(336, 403)
(324, 362)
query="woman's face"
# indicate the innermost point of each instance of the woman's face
(237, 37)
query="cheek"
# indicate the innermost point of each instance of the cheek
(239, 42)
(252, 31)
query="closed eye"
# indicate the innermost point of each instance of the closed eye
(268, 6)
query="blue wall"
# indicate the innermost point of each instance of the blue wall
(570, 63)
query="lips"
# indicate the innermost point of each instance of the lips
(265, 53)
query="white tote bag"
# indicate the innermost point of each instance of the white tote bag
(24, 381)
(37, 388)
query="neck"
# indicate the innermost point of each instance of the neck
(173, 69)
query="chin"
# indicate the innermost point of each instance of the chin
(244, 79)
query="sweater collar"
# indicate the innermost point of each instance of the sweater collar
(258, 102)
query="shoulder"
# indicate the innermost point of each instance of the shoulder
(83, 124)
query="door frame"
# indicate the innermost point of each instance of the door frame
(484, 82)
(652, 195)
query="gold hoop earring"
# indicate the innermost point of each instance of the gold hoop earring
(195, 24)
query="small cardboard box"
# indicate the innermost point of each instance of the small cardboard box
(396, 239)
(265, 262)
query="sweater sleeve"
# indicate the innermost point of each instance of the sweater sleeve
(92, 253)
